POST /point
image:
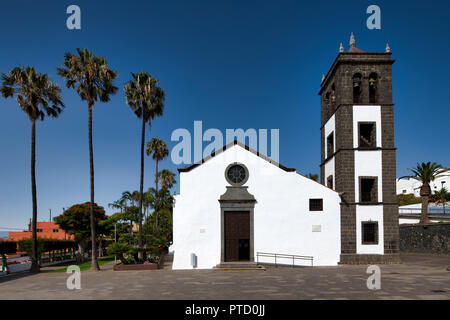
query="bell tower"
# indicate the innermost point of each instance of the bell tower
(358, 153)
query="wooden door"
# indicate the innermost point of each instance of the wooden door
(237, 235)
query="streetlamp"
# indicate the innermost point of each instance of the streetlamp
(115, 241)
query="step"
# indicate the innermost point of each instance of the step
(167, 262)
(238, 266)
(237, 269)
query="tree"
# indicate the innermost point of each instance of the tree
(127, 206)
(441, 196)
(146, 99)
(93, 81)
(167, 179)
(313, 176)
(37, 96)
(76, 221)
(425, 173)
(161, 199)
(158, 149)
(159, 235)
(407, 199)
(147, 199)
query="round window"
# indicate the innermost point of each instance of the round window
(236, 174)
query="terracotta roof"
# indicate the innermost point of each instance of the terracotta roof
(236, 142)
(354, 49)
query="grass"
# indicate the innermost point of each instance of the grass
(87, 265)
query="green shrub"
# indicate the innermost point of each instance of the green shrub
(120, 249)
(406, 199)
(8, 247)
(45, 245)
(128, 254)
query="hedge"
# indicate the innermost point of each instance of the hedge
(46, 245)
(8, 247)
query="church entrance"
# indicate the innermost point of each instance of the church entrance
(237, 235)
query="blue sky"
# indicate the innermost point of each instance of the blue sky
(230, 64)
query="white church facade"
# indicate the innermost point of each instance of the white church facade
(237, 204)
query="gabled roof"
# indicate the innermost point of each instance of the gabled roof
(236, 142)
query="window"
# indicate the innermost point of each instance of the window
(373, 78)
(368, 189)
(369, 230)
(315, 204)
(327, 98)
(330, 182)
(367, 134)
(326, 101)
(330, 145)
(333, 95)
(236, 174)
(38, 230)
(357, 88)
(404, 191)
(55, 230)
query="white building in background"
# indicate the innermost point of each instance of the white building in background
(412, 186)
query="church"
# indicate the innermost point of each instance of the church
(239, 206)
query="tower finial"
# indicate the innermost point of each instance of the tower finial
(352, 41)
(323, 77)
(341, 48)
(388, 49)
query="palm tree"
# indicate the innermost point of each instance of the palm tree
(167, 179)
(158, 149)
(425, 173)
(146, 99)
(126, 196)
(313, 176)
(135, 197)
(93, 81)
(147, 199)
(37, 97)
(441, 196)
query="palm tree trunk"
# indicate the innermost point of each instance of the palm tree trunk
(94, 262)
(34, 258)
(424, 193)
(141, 186)
(156, 194)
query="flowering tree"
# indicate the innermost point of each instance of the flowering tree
(76, 221)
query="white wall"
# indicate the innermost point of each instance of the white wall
(330, 126)
(366, 114)
(368, 163)
(329, 168)
(412, 186)
(369, 213)
(282, 220)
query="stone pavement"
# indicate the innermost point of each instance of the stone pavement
(418, 277)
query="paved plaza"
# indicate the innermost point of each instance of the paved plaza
(418, 277)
